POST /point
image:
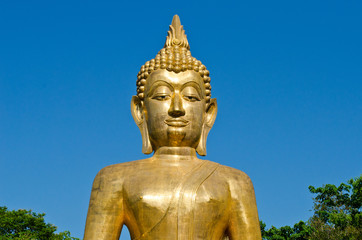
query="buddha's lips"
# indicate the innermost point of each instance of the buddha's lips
(176, 122)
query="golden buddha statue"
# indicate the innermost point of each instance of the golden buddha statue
(173, 194)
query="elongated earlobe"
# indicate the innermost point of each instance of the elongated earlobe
(138, 116)
(211, 112)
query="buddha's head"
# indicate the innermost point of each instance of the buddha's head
(173, 106)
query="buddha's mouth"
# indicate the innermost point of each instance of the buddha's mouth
(177, 122)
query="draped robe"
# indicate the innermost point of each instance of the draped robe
(179, 213)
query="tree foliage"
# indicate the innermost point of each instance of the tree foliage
(337, 211)
(300, 231)
(337, 215)
(25, 224)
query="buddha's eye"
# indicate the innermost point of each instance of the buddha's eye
(161, 93)
(161, 97)
(191, 98)
(190, 94)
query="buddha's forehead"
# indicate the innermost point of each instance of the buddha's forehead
(175, 80)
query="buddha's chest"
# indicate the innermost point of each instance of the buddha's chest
(168, 197)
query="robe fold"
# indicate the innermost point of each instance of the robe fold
(183, 200)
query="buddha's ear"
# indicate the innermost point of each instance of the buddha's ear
(138, 116)
(211, 112)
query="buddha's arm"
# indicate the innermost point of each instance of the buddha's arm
(244, 220)
(105, 213)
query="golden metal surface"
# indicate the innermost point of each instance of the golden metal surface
(173, 194)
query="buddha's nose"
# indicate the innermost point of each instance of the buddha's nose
(176, 109)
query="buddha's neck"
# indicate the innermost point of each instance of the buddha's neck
(175, 153)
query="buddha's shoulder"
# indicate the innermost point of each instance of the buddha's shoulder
(121, 169)
(233, 175)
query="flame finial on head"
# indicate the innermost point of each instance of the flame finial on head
(176, 34)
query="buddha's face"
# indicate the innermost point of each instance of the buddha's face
(174, 108)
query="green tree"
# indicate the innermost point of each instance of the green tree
(25, 224)
(300, 231)
(337, 211)
(337, 215)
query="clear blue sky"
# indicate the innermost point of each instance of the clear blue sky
(287, 76)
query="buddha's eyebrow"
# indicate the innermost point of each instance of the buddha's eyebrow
(158, 83)
(194, 85)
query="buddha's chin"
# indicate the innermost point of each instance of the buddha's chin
(176, 135)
